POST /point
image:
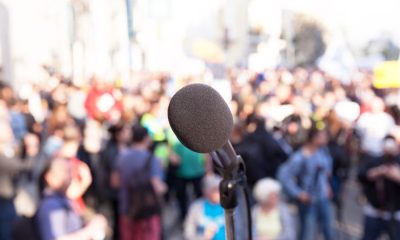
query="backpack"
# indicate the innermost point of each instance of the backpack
(24, 228)
(143, 201)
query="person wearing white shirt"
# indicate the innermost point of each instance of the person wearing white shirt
(373, 127)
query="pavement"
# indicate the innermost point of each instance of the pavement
(351, 226)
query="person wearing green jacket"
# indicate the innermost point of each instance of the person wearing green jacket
(190, 169)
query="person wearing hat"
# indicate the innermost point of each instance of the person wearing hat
(205, 219)
(271, 218)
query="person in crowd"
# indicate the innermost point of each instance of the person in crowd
(371, 135)
(139, 208)
(25, 182)
(205, 219)
(6, 92)
(18, 121)
(152, 123)
(56, 217)
(31, 146)
(270, 154)
(120, 135)
(293, 132)
(81, 175)
(271, 217)
(31, 124)
(340, 153)
(54, 141)
(10, 165)
(58, 117)
(305, 178)
(380, 180)
(76, 103)
(190, 169)
(250, 153)
(103, 102)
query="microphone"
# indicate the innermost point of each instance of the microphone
(203, 122)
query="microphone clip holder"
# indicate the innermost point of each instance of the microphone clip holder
(229, 185)
(232, 169)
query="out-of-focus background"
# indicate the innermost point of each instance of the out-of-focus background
(89, 82)
(79, 38)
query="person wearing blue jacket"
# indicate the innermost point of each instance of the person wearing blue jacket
(305, 178)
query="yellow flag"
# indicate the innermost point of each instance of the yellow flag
(387, 75)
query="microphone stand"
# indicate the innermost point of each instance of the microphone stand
(232, 169)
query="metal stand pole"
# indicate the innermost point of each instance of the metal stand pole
(230, 224)
(233, 173)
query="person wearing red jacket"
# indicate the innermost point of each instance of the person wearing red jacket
(103, 102)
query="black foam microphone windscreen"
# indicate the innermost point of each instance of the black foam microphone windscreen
(200, 118)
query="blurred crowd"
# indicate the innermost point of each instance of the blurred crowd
(99, 161)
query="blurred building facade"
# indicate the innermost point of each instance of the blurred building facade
(80, 38)
(74, 37)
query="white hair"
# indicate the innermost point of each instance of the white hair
(211, 182)
(264, 187)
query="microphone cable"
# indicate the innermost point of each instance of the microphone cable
(246, 192)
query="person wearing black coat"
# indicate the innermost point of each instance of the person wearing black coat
(380, 180)
(261, 153)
